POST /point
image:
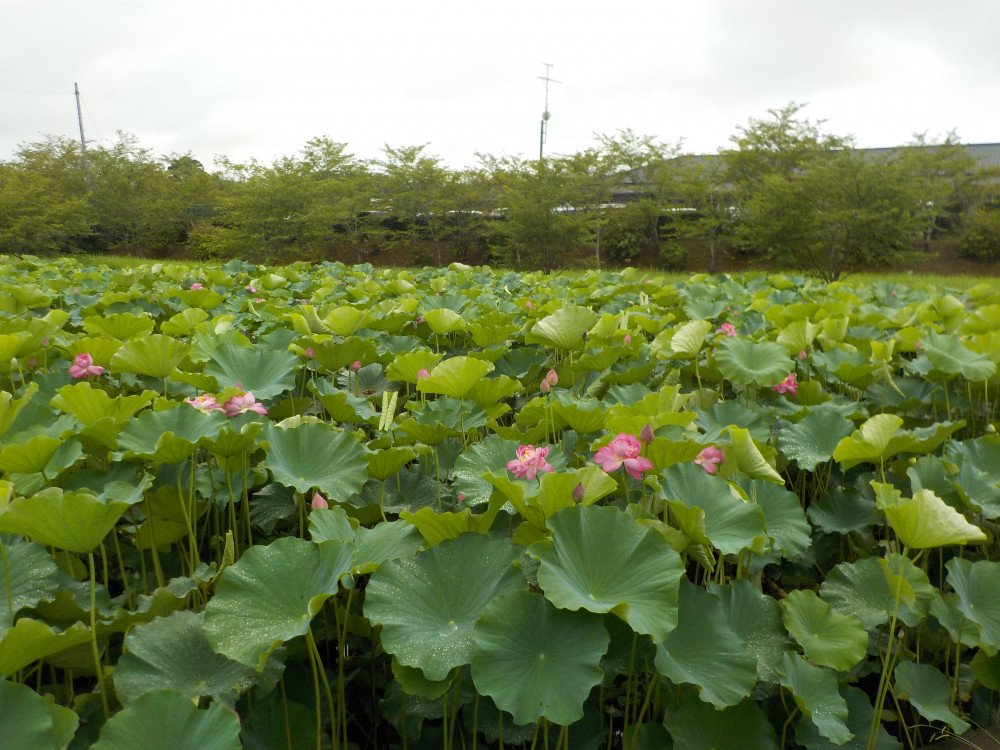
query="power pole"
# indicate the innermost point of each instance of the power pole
(544, 130)
(83, 140)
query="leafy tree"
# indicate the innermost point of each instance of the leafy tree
(416, 187)
(594, 179)
(701, 185)
(43, 199)
(982, 237)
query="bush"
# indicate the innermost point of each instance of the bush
(982, 237)
(673, 256)
(625, 235)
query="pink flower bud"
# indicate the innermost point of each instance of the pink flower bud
(545, 387)
(552, 377)
(802, 354)
(45, 341)
(578, 492)
(461, 497)
(32, 362)
(310, 352)
(196, 286)
(319, 502)
(422, 373)
(627, 339)
(916, 346)
(646, 434)
(356, 365)
(528, 304)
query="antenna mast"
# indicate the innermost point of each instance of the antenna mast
(83, 140)
(544, 130)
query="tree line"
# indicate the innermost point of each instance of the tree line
(784, 189)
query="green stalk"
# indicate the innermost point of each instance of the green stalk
(318, 705)
(6, 580)
(121, 569)
(153, 547)
(314, 652)
(93, 637)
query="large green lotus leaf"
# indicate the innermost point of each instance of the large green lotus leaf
(345, 320)
(90, 405)
(442, 320)
(121, 326)
(10, 406)
(927, 521)
(73, 521)
(755, 619)
(29, 457)
(827, 637)
(102, 350)
(841, 511)
(155, 356)
(391, 540)
(184, 322)
(263, 373)
(859, 721)
(173, 653)
(583, 416)
(689, 338)
(950, 356)
(384, 462)
(563, 329)
(489, 456)
(427, 604)
(871, 442)
(455, 376)
(816, 694)
(30, 640)
(978, 587)
(798, 336)
(492, 392)
(170, 435)
(862, 589)
(977, 479)
(25, 719)
(341, 405)
(695, 725)
(743, 361)
(336, 355)
(405, 366)
(704, 651)
(271, 594)
(731, 523)
(168, 720)
(316, 455)
(230, 442)
(590, 541)
(535, 660)
(812, 440)
(326, 524)
(748, 458)
(29, 574)
(929, 692)
(784, 519)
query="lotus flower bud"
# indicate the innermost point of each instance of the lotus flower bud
(319, 502)
(528, 304)
(802, 354)
(552, 377)
(422, 373)
(310, 352)
(627, 339)
(356, 365)
(578, 492)
(646, 435)
(545, 387)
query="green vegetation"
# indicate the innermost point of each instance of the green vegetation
(321, 506)
(785, 193)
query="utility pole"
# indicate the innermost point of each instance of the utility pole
(544, 130)
(83, 140)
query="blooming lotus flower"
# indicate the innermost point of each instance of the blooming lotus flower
(788, 385)
(624, 449)
(259, 300)
(319, 502)
(529, 462)
(726, 329)
(205, 403)
(83, 365)
(243, 403)
(710, 458)
(196, 286)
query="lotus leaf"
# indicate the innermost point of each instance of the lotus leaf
(167, 720)
(816, 694)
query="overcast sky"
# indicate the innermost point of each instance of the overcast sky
(250, 79)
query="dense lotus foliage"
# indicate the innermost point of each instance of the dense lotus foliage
(321, 506)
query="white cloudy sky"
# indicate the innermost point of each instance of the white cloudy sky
(252, 79)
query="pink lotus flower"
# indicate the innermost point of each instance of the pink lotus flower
(627, 339)
(310, 352)
(319, 502)
(243, 403)
(461, 497)
(83, 365)
(422, 373)
(355, 365)
(624, 449)
(545, 387)
(529, 462)
(528, 304)
(552, 376)
(250, 288)
(579, 492)
(259, 300)
(646, 435)
(205, 403)
(726, 329)
(788, 385)
(196, 286)
(710, 458)
(803, 354)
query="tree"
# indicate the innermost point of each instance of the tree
(43, 199)
(701, 186)
(594, 178)
(416, 188)
(842, 209)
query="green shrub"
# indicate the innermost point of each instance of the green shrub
(982, 237)
(673, 256)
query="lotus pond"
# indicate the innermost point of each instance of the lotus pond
(333, 507)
